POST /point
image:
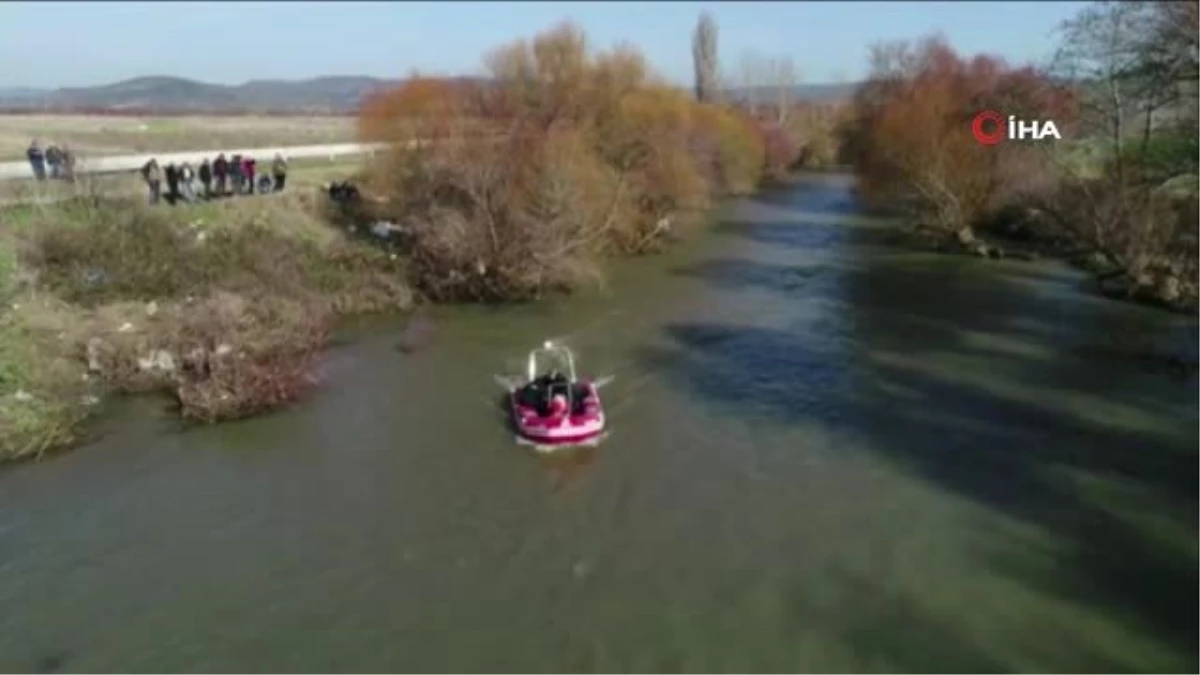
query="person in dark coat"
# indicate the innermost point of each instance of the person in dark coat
(172, 176)
(279, 172)
(54, 159)
(37, 160)
(220, 169)
(153, 177)
(205, 173)
(235, 174)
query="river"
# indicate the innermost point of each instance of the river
(826, 454)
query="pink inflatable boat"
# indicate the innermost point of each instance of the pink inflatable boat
(555, 407)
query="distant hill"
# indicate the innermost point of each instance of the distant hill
(20, 95)
(329, 95)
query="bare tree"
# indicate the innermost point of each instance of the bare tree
(1102, 51)
(1134, 64)
(1133, 60)
(784, 79)
(768, 84)
(1169, 50)
(704, 57)
(891, 60)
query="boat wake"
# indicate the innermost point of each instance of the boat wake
(545, 449)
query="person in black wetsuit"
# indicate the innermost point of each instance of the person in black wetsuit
(536, 394)
(557, 385)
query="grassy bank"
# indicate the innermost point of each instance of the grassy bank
(223, 307)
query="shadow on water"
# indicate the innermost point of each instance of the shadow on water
(739, 274)
(966, 377)
(895, 630)
(811, 236)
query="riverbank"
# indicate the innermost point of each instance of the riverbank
(223, 307)
(1116, 190)
(1028, 233)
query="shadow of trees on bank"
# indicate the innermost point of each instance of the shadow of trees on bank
(961, 291)
(998, 385)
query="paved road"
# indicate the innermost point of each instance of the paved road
(102, 165)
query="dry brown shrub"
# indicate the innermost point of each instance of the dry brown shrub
(583, 154)
(275, 361)
(728, 151)
(1148, 237)
(507, 219)
(222, 356)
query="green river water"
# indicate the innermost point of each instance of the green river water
(826, 454)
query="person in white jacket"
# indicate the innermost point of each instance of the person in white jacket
(187, 182)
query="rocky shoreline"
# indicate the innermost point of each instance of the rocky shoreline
(1163, 285)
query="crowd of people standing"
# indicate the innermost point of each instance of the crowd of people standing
(57, 158)
(221, 177)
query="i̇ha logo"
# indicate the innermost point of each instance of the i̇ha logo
(990, 127)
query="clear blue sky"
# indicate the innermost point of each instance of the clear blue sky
(48, 44)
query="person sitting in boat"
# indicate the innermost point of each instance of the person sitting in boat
(558, 405)
(542, 392)
(552, 377)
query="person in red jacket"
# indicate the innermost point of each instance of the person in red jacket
(248, 165)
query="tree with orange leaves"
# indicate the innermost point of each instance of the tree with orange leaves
(910, 137)
(561, 156)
